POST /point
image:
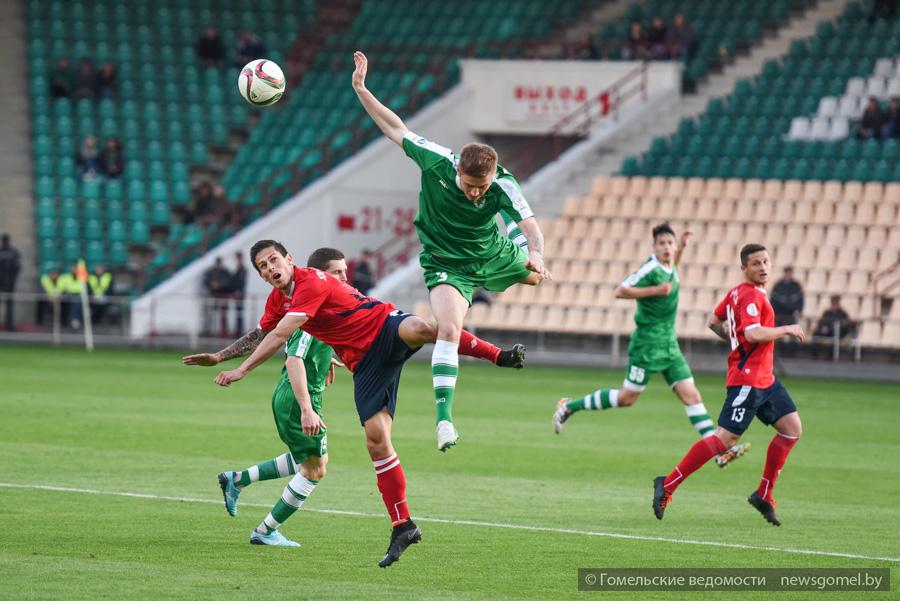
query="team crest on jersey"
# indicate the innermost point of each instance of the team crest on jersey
(479, 204)
(752, 310)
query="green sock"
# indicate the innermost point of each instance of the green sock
(700, 419)
(605, 398)
(279, 467)
(444, 369)
(295, 493)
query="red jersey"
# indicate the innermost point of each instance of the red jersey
(339, 315)
(746, 307)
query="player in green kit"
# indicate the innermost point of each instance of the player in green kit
(653, 347)
(297, 408)
(463, 247)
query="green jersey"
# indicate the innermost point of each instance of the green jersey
(316, 357)
(655, 316)
(452, 228)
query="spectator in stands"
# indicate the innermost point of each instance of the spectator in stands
(239, 292)
(50, 284)
(70, 287)
(891, 127)
(883, 9)
(656, 39)
(834, 318)
(210, 49)
(99, 285)
(88, 160)
(105, 81)
(635, 47)
(217, 281)
(872, 121)
(201, 203)
(10, 265)
(248, 48)
(363, 274)
(586, 49)
(112, 163)
(61, 79)
(679, 38)
(83, 81)
(787, 302)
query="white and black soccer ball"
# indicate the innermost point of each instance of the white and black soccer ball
(261, 82)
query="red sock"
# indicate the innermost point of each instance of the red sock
(472, 346)
(702, 451)
(779, 449)
(392, 484)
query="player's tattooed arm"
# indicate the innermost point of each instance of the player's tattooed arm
(718, 327)
(244, 345)
(532, 232)
(240, 347)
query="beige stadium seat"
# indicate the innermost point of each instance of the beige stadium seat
(865, 213)
(774, 232)
(888, 258)
(572, 206)
(890, 334)
(715, 188)
(587, 250)
(859, 281)
(784, 211)
(853, 192)
(665, 209)
(754, 232)
(567, 248)
(696, 188)
(599, 186)
(606, 248)
(675, 187)
(715, 276)
(616, 228)
(835, 235)
(565, 293)
(648, 207)
(824, 212)
(691, 275)
(894, 238)
(700, 252)
(585, 295)
(870, 333)
(475, 317)
(806, 256)
(618, 185)
(777, 190)
(578, 228)
(744, 210)
(636, 230)
(764, 210)
(877, 236)
(843, 212)
(637, 185)
(609, 206)
(783, 254)
(656, 187)
(728, 253)
(892, 193)
(724, 210)
(846, 258)
(795, 233)
(590, 207)
(575, 319)
(715, 230)
(734, 232)
(706, 300)
(563, 270)
(837, 281)
(594, 319)
(873, 192)
(516, 294)
(704, 210)
(753, 190)
(816, 280)
(555, 318)
(696, 325)
(596, 272)
(543, 295)
(734, 189)
(803, 212)
(886, 214)
(514, 318)
(815, 234)
(856, 236)
(810, 191)
(831, 191)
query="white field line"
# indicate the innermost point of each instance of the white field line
(659, 539)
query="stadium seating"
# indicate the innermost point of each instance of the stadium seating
(836, 236)
(165, 104)
(794, 120)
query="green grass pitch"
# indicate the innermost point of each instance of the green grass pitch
(140, 422)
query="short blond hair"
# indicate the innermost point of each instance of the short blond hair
(477, 160)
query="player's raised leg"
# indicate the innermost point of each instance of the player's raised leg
(449, 308)
(789, 430)
(686, 390)
(231, 483)
(391, 485)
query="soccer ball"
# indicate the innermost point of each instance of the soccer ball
(261, 82)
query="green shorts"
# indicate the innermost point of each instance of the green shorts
(287, 420)
(495, 274)
(646, 359)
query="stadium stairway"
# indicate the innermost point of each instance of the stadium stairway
(16, 204)
(607, 158)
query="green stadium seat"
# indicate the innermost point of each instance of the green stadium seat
(71, 251)
(93, 230)
(118, 253)
(159, 214)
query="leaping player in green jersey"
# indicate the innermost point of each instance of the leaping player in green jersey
(297, 408)
(463, 247)
(653, 347)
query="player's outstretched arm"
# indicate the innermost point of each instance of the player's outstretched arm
(240, 347)
(682, 244)
(636, 292)
(387, 121)
(764, 334)
(309, 419)
(266, 348)
(532, 232)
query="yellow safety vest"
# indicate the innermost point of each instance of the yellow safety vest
(99, 286)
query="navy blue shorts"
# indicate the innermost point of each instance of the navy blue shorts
(377, 375)
(743, 402)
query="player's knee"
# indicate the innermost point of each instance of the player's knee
(448, 330)
(378, 448)
(425, 330)
(317, 473)
(627, 397)
(729, 439)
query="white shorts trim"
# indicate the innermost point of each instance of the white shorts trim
(628, 385)
(676, 383)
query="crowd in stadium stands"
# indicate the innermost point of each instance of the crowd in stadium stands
(224, 288)
(94, 164)
(834, 320)
(661, 42)
(880, 124)
(83, 82)
(787, 303)
(205, 198)
(65, 288)
(10, 265)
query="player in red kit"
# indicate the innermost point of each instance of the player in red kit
(746, 320)
(371, 338)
